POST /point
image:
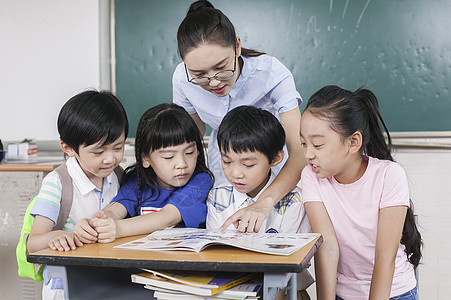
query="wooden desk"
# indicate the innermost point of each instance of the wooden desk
(217, 258)
(29, 166)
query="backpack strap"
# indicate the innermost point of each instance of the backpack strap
(66, 196)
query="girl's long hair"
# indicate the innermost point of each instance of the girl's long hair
(349, 112)
(163, 125)
(205, 24)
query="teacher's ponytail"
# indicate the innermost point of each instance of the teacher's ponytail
(197, 5)
(204, 24)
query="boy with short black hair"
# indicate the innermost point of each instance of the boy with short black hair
(93, 127)
(251, 142)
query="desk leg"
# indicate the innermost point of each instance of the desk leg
(59, 272)
(273, 282)
(292, 288)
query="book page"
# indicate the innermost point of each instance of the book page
(194, 239)
(203, 279)
(270, 243)
(189, 239)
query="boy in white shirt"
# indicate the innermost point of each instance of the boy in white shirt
(251, 142)
(93, 127)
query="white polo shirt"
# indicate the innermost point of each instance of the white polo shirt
(287, 216)
(88, 199)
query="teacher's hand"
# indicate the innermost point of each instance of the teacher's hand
(250, 219)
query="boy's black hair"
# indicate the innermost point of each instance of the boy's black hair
(90, 117)
(248, 128)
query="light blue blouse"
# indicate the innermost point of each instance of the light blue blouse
(264, 82)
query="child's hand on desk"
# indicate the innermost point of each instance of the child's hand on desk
(105, 227)
(62, 240)
(85, 232)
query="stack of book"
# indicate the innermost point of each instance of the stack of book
(200, 285)
(211, 285)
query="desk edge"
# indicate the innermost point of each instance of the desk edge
(166, 265)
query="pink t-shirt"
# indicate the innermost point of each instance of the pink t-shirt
(354, 210)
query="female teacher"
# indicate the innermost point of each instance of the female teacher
(217, 75)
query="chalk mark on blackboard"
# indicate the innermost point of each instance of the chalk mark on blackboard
(344, 10)
(362, 13)
(331, 5)
(312, 22)
(290, 20)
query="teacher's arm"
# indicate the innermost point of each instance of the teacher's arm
(250, 219)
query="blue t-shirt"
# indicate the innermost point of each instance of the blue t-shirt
(189, 199)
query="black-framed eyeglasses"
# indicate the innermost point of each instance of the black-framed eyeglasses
(221, 75)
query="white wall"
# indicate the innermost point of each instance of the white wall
(49, 51)
(429, 173)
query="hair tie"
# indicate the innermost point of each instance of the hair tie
(198, 5)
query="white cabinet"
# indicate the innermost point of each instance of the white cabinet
(17, 189)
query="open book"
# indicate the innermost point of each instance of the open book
(193, 282)
(194, 239)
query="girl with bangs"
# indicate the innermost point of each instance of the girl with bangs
(167, 186)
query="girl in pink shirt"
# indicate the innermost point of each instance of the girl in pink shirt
(358, 199)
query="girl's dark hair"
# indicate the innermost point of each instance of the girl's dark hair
(90, 117)
(348, 112)
(248, 128)
(205, 24)
(163, 125)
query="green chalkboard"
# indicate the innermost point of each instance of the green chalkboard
(401, 50)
